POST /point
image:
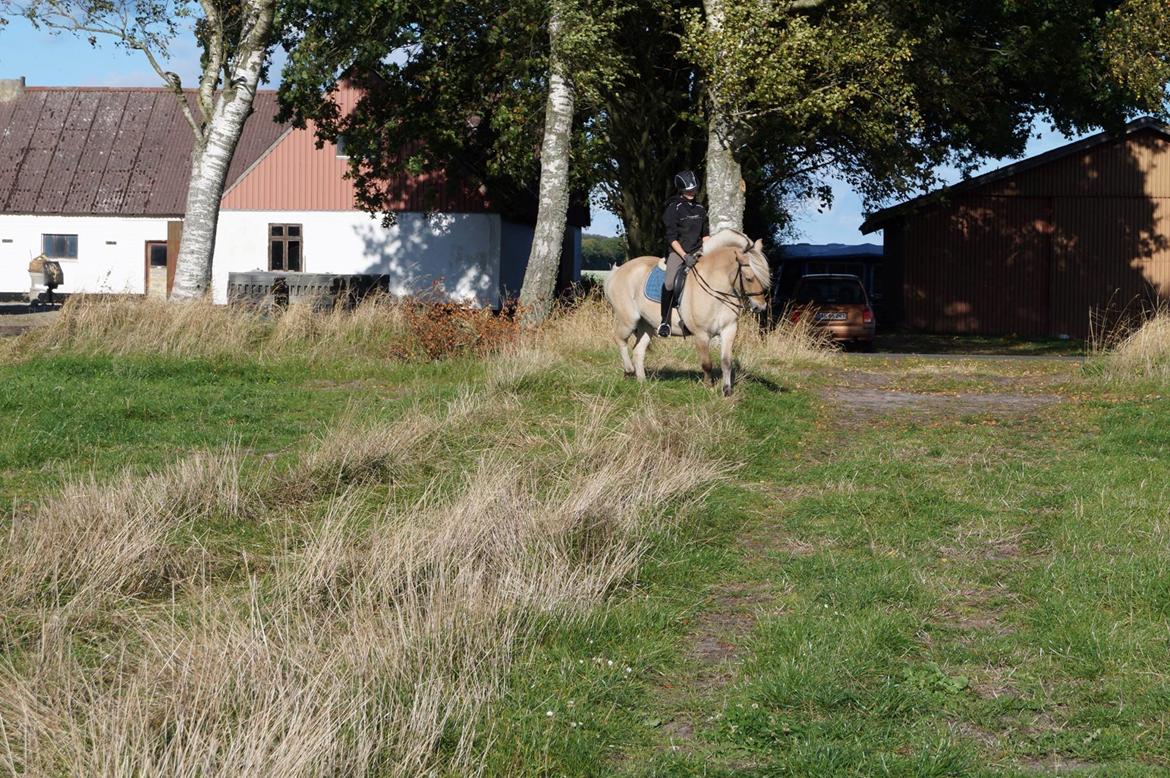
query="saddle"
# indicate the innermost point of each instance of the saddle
(657, 277)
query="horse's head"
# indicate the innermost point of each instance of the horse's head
(752, 276)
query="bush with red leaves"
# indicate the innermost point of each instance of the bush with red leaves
(441, 330)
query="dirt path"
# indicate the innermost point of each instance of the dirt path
(861, 395)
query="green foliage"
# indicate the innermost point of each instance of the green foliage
(601, 252)
(450, 87)
(883, 91)
(1137, 49)
(651, 124)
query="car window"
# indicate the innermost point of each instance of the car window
(831, 291)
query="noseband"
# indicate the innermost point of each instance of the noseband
(739, 294)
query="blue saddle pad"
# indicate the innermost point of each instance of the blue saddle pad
(653, 290)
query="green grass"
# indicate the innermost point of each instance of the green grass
(926, 596)
(908, 594)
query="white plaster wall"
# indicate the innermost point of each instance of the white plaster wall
(459, 250)
(111, 250)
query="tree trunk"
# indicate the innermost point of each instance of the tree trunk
(212, 156)
(536, 294)
(725, 185)
(209, 166)
(642, 221)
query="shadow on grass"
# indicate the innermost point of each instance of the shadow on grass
(920, 343)
(741, 378)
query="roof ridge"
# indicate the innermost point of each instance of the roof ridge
(874, 220)
(186, 90)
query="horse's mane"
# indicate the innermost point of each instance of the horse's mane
(728, 237)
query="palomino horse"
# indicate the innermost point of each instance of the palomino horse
(731, 274)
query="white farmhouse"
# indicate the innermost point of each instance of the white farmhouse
(96, 178)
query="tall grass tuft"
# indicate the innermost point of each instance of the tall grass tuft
(785, 343)
(375, 645)
(1141, 351)
(94, 542)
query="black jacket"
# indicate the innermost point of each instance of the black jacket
(686, 222)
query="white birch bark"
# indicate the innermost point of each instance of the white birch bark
(725, 185)
(215, 144)
(536, 294)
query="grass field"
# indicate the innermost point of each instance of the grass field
(312, 554)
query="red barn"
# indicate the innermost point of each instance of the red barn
(1041, 248)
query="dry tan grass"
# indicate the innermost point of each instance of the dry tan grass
(785, 344)
(96, 541)
(354, 451)
(101, 324)
(382, 635)
(99, 541)
(584, 327)
(1141, 352)
(124, 326)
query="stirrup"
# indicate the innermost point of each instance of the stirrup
(664, 329)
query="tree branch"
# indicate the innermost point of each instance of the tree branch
(174, 83)
(215, 51)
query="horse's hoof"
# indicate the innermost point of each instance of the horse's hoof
(629, 375)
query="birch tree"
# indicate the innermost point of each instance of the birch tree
(724, 179)
(726, 188)
(540, 276)
(235, 37)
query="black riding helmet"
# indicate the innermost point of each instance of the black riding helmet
(685, 181)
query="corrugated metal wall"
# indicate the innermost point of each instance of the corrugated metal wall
(1041, 253)
(297, 176)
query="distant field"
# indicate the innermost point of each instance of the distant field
(319, 552)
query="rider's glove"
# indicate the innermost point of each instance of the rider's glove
(690, 260)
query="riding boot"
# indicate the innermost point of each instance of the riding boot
(667, 302)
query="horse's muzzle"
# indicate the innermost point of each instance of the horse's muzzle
(758, 306)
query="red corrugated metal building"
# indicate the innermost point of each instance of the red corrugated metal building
(1051, 246)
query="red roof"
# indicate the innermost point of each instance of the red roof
(103, 151)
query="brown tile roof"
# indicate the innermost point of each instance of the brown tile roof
(104, 151)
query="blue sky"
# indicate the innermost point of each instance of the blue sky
(64, 60)
(841, 223)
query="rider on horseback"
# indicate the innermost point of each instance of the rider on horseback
(686, 232)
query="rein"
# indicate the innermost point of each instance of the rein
(737, 296)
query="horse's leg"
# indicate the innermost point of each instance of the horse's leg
(621, 334)
(726, 339)
(703, 344)
(640, 351)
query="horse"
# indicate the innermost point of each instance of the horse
(732, 273)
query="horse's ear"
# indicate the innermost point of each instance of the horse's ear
(758, 245)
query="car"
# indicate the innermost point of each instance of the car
(839, 304)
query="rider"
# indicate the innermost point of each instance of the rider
(686, 232)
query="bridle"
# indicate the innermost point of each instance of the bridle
(735, 299)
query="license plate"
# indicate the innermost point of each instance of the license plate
(832, 316)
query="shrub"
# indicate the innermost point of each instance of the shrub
(440, 330)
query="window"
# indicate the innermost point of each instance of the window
(339, 147)
(59, 246)
(157, 253)
(284, 247)
(834, 291)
